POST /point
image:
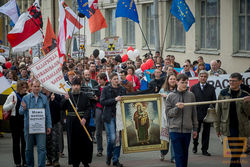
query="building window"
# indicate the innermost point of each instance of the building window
(150, 24)
(210, 24)
(96, 37)
(111, 22)
(244, 25)
(130, 32)
(177, 33)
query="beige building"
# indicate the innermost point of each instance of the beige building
(221, 30)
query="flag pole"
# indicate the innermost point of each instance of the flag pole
(144, 38)
(165, 34)
(78, 116)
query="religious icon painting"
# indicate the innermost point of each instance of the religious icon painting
(141, 116)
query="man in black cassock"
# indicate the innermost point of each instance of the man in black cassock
(80, 148)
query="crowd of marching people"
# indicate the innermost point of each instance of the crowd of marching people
(96, 85)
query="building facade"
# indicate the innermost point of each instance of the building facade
(221, 30)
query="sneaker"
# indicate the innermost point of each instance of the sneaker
(118, 164)
(99, 154)
(162, 157)
(18, 165)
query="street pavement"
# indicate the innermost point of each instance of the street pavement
(143, 159)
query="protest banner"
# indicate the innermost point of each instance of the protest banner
(220, 82)
(112, 46)
(49, 72)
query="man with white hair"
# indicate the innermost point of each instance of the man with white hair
(215, 69)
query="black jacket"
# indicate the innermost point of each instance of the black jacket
(108, 101)
(207, 94)
(94, 83)
(83, 105)
(55, 109)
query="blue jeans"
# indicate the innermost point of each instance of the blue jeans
(180, 143)
(41, 149)
(112, 149)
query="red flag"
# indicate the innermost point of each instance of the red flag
(96, 20)
(49, 42)
(27, 31)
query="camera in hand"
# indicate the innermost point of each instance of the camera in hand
(90, 92)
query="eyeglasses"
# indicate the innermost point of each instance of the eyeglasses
(233, 80)
(185, 66)
(158, 66)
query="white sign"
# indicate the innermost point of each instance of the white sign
(4, 51)
(220, 82)
(36, 120)
(48, 71)
(78, 46)
(112, 46)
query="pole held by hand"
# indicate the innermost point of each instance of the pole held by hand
(213, 102)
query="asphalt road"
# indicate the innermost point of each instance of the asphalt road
(143, 159)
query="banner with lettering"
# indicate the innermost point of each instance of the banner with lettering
(220, 82)
(112, 46)
(49, 72)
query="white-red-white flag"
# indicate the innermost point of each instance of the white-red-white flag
(27, 31)
(69, 23)
(74, 24)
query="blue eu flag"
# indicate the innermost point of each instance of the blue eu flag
(83, 7)
(181, 10)
(127, 8)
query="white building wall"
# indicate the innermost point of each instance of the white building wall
(230, 61)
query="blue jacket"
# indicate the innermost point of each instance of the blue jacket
(30, 102)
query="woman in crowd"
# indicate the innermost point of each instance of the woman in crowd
(12, 104)
(12, 77)
(200, 66)
(168, 86)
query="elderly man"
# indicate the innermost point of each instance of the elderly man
(80, 148)
(215, 70)
(232, 117)
(203, 92)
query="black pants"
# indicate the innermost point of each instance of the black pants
(16, 125)
(205, 136)
(235, 159)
